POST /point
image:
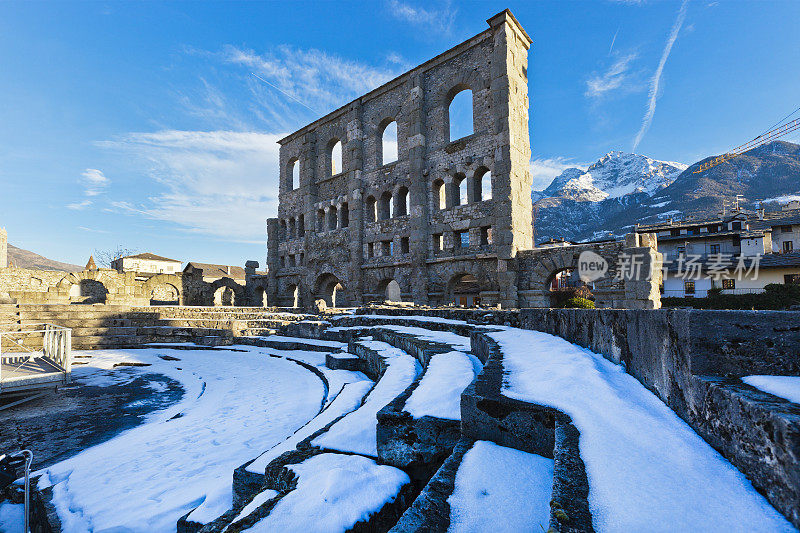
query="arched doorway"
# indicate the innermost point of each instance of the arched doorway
(165, 294)
(88, 291)
(564, 284)
(330, 289)
(466, 290)
(224, 297)
(292, 297)
(390, 290)
(261, 297)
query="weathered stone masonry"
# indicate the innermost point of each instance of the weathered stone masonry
(325, 241)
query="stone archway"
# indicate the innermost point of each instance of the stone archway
(464, 290)
(331, 289)
(88, 291)
(390, 290)
(224, 296)
(261, 297)
(293, 295)
(165, 294)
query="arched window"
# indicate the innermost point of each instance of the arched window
(460, 190)
(333, 215)
(483, 185)
(292, 229)
(282, 232)
(439, 196)
(320, 220)
(372, 213)
(344, 216)
(301, 226)
(385, 209)
(294, 172)
(401, 207)
(389, 143)
(460, 115)
(336, 157)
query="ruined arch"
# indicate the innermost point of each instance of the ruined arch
(388, 145)
(335, 153)
(371, 207)
(464, 290)
(226, 292)
(385, 206)
(402, 205)
(165, 294)
(261, 297)
(438, 191)
(482, 185)
(390, 290)
(293, 174)
(331, 289)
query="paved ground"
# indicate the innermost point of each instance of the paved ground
(64, 422)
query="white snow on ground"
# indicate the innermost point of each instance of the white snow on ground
(334, 491)
(12, 518)
(236, 405)
(348, 400)
(439, 391)
(316, 342)
(499, 489)
(336, 378)
(786, 387)
(255, 503)
(647, 469)
(356, 431)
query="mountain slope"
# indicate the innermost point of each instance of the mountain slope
(26, 259)
(766, 172)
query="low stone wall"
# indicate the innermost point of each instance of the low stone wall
(692, 360)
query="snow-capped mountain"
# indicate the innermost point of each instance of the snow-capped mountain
(614, 175)
(620, 190)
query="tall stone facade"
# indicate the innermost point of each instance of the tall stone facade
(423, 228)
(3, 248)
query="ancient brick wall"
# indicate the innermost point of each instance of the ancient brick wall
(327, 238)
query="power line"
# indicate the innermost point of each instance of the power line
(284, 93)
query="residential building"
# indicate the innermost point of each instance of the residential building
(146, 263)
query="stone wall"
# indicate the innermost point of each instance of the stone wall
(3, 248)
(326, 236)
(28, 286)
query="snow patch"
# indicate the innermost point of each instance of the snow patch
(786, 387)
(501, 490)
(439, 392)
(333, 493)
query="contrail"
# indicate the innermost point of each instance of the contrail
(284, 93)
(656, 81)
(610, 48)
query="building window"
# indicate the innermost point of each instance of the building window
(301, 226)
(736, 225)
(482, 187)
(333, 218)
(486, 235)
(786, 229)
(344, 216)
(386, 248)
(674, 232)
(788, 246)
(728, 283)
(385, 209)
(292, 228)
(681, 250)
(461, 238)
(404, 245)
(389, 143)
(460, 190)
(688, 287)
(401, 207)
(459, 114)
(437, 242)
(335, 155)
(791, 278)
(372, 211)
(736, 240)
(713, 249)
(320, 220)
(371, 250)
(291, 260)
(439, 196)
(294, 173)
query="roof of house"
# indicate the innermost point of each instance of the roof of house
(209, 270)
(150, 257)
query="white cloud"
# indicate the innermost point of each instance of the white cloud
(79, 206)
(316, 79)
(218, 183)
(655, 82)
(618, 76)
(544, 170)
(440, 20)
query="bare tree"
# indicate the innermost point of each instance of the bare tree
(104, 258)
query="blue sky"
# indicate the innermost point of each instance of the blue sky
(141, 124)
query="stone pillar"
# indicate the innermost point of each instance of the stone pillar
(511, 176)
(355, 149)
(273, 264)
(642, 285)
(414, 121)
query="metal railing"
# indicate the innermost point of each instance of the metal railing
(22, 345)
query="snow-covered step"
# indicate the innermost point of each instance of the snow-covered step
(281, 342)
(335, 492)
(629, 438)
(356, 432)
(343, 361)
